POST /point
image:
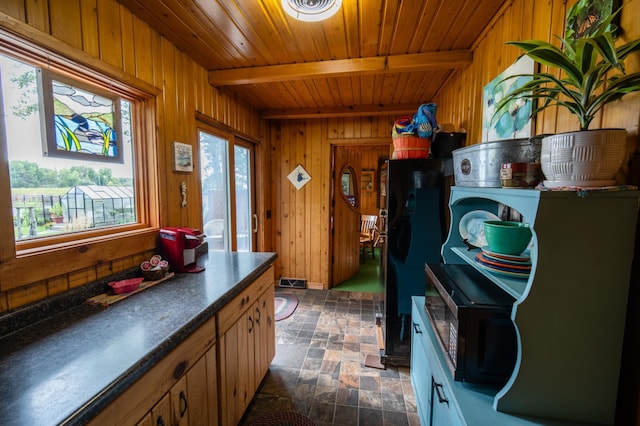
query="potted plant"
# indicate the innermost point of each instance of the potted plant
(592, 75)
(56, 213)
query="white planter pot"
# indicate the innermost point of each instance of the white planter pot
(584, 158)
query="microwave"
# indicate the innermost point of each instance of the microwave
(471, 317)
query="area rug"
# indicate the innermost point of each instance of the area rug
(286, 304)
(284, 418)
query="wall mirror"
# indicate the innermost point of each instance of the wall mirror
(349, 185)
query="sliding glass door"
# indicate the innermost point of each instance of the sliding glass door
(227, 198)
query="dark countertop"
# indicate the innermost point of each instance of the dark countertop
(67, 367)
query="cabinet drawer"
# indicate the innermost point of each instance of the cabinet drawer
(435, 400)
(229, 314)
(420, 367)
(139, 398)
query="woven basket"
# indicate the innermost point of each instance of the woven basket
(155, 274)
(406, 147)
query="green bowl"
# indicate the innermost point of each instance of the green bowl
(507, 237)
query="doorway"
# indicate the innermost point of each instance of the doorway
(345, 214)
(369, 178)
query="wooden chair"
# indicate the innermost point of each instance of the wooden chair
(368, 237)
(214, 230)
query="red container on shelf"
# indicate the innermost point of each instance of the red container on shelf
(406, 147)
(125, 286)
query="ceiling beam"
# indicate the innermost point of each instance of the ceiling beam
(346, 111)
(342, 67)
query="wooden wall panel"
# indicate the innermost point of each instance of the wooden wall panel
(129, 59)
(117, 40)
(460, 99)
(15, 9)
(37, 14)
(110, 32)
(301, 219)
(89, 28)
(65, 18)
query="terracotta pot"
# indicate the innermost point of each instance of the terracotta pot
(589, 158)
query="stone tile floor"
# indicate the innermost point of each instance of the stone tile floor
(319, 366)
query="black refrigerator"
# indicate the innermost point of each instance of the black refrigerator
(415, 231)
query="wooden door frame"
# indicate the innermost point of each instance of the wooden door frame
(204, 124)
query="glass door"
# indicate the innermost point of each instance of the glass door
(214, 175)
(228, 215)
(246, 223)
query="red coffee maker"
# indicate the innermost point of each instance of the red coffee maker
(179, 246)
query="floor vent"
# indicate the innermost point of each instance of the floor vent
(292, 283)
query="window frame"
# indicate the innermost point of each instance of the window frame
(100, 245)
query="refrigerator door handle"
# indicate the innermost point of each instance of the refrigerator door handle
(383, 222)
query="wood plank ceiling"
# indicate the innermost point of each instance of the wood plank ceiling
(373, 57)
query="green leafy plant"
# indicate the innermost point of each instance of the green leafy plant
(56, 209)
(592, 73)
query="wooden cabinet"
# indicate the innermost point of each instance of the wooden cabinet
(188, 401)
(209, 378)
(180, 390)
(246, 346)
(569, 313)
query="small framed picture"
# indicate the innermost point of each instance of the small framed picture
(182, 157)
(368, 182)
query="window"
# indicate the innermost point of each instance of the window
(70, 153)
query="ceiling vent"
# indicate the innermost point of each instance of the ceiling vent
(311, 10)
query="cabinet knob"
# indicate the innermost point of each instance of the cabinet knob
(160, 421)
(416, 328)
(258, 316)
(250, 325)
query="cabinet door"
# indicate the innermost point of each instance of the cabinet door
(212, 386)
(440, 413)
(234, 374)
(248, 345)
(265, 335)
(189, 399)
(161, 412)
(146, 421)
(179, 403)
(420, 373)
(420, 368)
